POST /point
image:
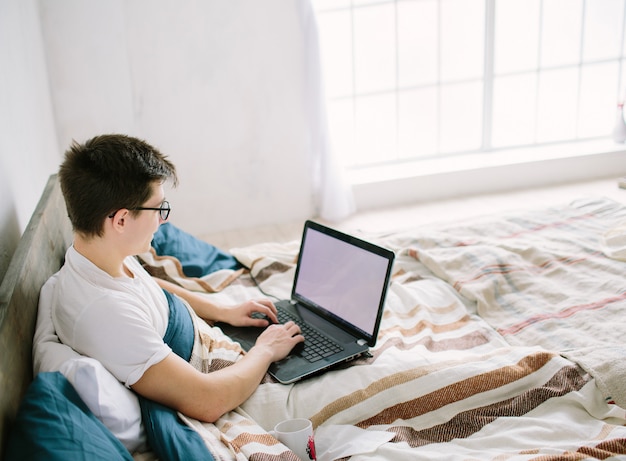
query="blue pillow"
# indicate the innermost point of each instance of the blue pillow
(53, 424)
(198, 258)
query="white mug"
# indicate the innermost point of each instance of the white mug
(297, 435)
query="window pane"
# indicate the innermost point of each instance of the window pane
(597, 100)
(375, 134)
(516, 35)
(335, 32)
(514, 110)
(375, 48)
(562, 20)
(558, 91)
(417, 42)
(603, 29)
(462, 39)
(417, 123)
(461, 117)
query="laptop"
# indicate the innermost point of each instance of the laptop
(338, 293)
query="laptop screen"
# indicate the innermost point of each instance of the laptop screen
(344, 276)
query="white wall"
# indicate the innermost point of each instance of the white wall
(219, 86)
(28, 145)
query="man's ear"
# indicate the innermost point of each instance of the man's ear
(118, 221)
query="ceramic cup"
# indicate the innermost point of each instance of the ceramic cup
(297, 435)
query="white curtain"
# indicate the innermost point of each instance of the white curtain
(334, 197)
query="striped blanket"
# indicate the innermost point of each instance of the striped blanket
(543, 278)
(486, 349)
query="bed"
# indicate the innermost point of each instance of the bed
(502, 338)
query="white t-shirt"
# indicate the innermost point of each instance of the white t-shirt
(119, 321)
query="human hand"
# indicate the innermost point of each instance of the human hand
(278, 340)
(241, 315)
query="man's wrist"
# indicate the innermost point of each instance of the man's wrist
(262, 352)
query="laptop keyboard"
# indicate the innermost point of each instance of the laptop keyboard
(316, 345)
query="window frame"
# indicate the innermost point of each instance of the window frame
(488, 81)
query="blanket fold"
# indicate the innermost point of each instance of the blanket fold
(168, 436)
(530, 279)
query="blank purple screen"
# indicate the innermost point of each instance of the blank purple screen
(342, 278)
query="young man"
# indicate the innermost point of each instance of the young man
(106, 306)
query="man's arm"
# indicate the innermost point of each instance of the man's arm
(175, 383)
(239, 315)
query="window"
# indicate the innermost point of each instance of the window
(411, 79)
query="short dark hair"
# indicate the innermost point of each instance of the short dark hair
(106, 173)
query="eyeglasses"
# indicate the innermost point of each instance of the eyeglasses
(164, 210)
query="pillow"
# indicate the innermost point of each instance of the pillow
(116, 406)
(54, 424)
(197, 258)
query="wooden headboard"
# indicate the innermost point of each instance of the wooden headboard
(39, 254)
